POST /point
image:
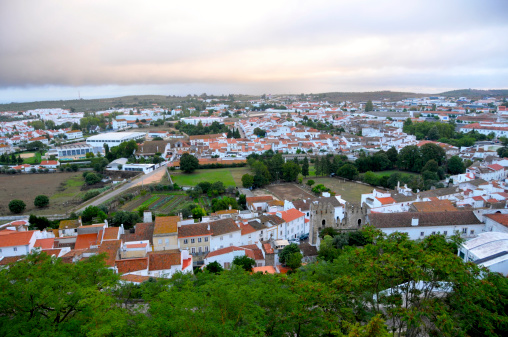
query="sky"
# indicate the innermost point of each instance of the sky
(62, 49)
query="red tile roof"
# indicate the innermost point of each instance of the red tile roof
(111, 248)
(499, 218)
(84, 241)
(44, 243)
(111, 233)
(163, 260)
(496, 167)
(386, 200)
(291, 214)
(16, 239)
(131, 265)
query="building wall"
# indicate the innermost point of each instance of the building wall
(226, 240)
(133, 253)
(204, 244)
(492, 226)
(165, 242)
(415, 232)
(15, 250)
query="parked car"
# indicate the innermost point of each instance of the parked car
(294, 241)
(304, 236)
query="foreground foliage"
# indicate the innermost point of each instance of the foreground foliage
(393, 287)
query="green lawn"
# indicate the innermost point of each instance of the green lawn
(32, 160)
(390, 172)
(210, 175)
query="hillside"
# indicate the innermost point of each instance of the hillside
(476, 93)
(365, 96)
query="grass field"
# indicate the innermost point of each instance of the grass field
(349, 191)
(31, 158)
(390, 172)
(210, 175)
(63, 190)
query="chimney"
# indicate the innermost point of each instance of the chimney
(106, 223)
(414, 222)
(208, 227)
(147, 216)
(181, 216)
(230, 207)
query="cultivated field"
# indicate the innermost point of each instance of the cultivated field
(61, 188)
(158, 203)
(289, 192)
(349, 191)
(211, 175)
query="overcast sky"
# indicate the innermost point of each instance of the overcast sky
(53, 49)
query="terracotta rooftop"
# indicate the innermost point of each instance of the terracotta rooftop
(499, 218)
(131, 265)
(143, 231)
(44, 243)
(435, 206)
(16, 239)
(164, 259)
(111, 248)
(111, 233)
(166, 225)
(84, 241)
(224, 226)
(197, 229)
(404, 219)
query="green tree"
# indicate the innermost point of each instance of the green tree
(433, 133)
(188, 163)
(41, 201)
(247, 180)
(431, 151)
(17, 206)
(275, 166)
(431, 166)
(294, 261)
(305, 167)
(214, 267)
(291, 171)
(310, 182)
(244, 262)
(410, 158)
(348, 171)
(369, 106)
(44, 296)
(286, 252)
(198, 213)
(127, 219)
(456, 165)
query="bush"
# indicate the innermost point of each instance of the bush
(92, 178)
(17, 206)
(90, 194)
(41, 201)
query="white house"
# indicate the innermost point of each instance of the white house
(74, 134)
(421, 224)
(496, 222)
(17, 243)
(225, 233)
(167, 263)
(488, 250)
(225, 256)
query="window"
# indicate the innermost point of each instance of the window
(222, 238)
(185, 241)
(472, 232)
(433, 233)
(206, 248)
(199, 239)
(160, 241)
(230, 236)
(464, 230)
(199, 249)
(206, 239)
(422, 233)
(167, 241)
(250, 235)
(192, 240)
(445, 232)
(227, 265)
(193, 250)
(230, 245)
(15, 249)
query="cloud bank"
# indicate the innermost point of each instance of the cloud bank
(262, 46)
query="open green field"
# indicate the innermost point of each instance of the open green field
(349, 191)
(31, 157)
(159, 203)
(210, 175)
(390, 172)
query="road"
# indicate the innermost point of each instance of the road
(144, 178)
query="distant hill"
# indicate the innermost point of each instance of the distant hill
(475, 93)
(365, 96)
(145, 101)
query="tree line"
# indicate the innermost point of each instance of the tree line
(390, 286)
